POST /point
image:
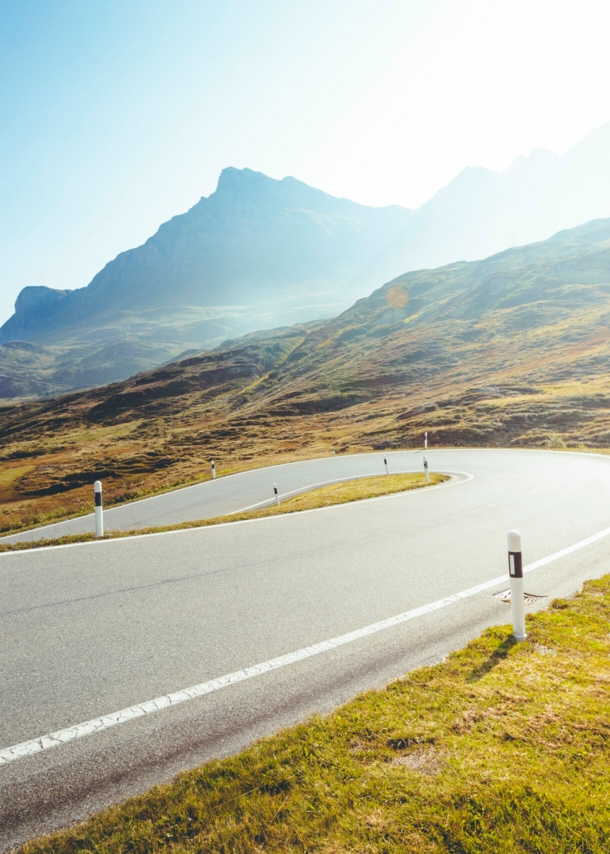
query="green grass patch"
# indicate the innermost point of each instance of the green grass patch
(9, 475)
(326, 496)
(342, 493)
(504, 748)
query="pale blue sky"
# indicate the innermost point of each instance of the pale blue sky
(118, 114)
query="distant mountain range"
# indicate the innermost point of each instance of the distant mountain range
(260, 253)
(513, 349)
(255, 241)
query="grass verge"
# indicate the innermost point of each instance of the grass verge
(326, 496)
(504, 747)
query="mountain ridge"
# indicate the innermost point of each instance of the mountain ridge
(242, 197)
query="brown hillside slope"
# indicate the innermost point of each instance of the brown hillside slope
(512, 350)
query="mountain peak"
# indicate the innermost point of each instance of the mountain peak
(255, 241)
(231, 177)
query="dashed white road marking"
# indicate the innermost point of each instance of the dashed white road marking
(54, 739)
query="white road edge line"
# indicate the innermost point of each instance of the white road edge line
(54, 739)
(284, 496)
(225, 477)
(37, 550)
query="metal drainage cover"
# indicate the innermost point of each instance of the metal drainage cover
(528, 598)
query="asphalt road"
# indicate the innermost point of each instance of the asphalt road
(228, 494)
(90, 629)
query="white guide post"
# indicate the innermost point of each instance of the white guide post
(99, 509)
(426, 470)
(277, 497)
(426, 441)
(213, 470)
(385, 462)
(515, 572)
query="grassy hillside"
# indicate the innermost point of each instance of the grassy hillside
(512, 350)
(121, 344)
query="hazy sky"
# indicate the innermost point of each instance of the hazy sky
(118, 114)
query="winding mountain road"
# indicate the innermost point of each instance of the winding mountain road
(266, 621)
(230, 494)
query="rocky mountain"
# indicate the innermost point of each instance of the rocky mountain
(260, 253)
(256, 253)
(510, 350)
(482, 212)
(254, 242)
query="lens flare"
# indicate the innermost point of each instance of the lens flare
(396, 297)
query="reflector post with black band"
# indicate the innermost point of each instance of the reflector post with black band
(385, 462)
(213, 470)
(99, 509)
(426, 470)
(515, 574)
(275, 492)
(426, 441)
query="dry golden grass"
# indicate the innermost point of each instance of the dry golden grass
(342, 493)
(10, 474)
